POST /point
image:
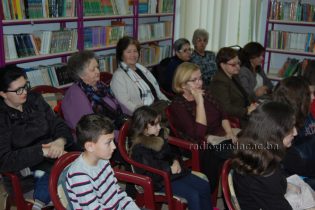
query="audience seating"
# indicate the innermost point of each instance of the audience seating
(124, 176)
(227, 186)
(106, 77)
(18, 199)
(174, 203)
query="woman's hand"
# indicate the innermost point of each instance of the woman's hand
(231, 135)
(54, 149)
(198, 95)
(175, 167)
(261, 91)
(251, 107)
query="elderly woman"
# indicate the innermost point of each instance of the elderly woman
(226, 88)
(132, 84)
(202, 57)
(182, 54)
(31, 135)
(88, 94)
(200, 117)
(252, 76)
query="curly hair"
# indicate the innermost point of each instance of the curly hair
(260, 146)
(295, 92)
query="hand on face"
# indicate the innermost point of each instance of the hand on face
(198, 94)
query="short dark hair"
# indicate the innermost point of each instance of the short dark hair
(260, 145)
(8, 74)
(78, 62)
(295, 92)
(179, 43)
(140, 119)
(225, 54)
(249, 51)
(123, 44)
(91, 126)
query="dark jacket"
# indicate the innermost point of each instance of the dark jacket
(229, 94)
(155, 152)
(170, 72)
(23, 133)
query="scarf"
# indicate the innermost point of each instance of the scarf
(145, 91)
(100, 106)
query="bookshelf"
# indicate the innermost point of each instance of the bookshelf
(289, 33)
(90, 24)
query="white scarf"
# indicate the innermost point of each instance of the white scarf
(146, 94)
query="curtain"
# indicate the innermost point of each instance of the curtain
(229, 22)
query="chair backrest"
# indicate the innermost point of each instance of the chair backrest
(65, 160)
(106, 77)
(227, 186)
(122, 141)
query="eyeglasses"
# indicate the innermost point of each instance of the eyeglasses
(195, 80)
(202, 40)
(234, 64)
(186, 50)
(20, 90)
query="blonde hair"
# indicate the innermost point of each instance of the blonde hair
(183, 74)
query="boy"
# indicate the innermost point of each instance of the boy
(90, 179)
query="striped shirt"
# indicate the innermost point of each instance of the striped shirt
(95, 187)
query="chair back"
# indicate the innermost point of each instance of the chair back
(106, 77)
(122, 146)
(227, 186)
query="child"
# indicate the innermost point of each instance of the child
(90, 179)
(151, 149)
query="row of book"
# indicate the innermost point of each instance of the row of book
(291, 41)
(154, 6)
(39, 43)
(295, 67)
(107, 7)
(153, 54)
(107, 63)
(102, 36)
(292, 11)
(32, 9)
(159, 30)
(55, 75)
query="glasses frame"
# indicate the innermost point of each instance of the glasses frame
(20, 90)
(195, 80)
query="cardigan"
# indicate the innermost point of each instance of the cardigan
(95, 187)
(127, 92)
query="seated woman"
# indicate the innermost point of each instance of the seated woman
(88, 94)
(31, 135)
(197, 116)
(252, 76)
(132, 84)
(226, 88)
(258, 180)
(150, 147)
(202, 57)
(300, 158)
(182, 54)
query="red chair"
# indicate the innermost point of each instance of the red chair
(42, 89)
(18, 199)
(167, 197)
(106, 77)
(144, 181)
(229, 197)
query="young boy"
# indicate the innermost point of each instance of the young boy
(90, 179)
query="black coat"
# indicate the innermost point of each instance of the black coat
(155, 152)
(23, 133)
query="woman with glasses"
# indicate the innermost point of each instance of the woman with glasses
(202, 57)
(252, 76)
(198, 117)
(226, 87)
(32, 137)
(182, 54)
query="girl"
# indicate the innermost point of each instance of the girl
(149, 146)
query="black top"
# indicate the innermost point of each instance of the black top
(139, 72)
(261, 192)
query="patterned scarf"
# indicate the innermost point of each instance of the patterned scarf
(99, 105)
(145, 91)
